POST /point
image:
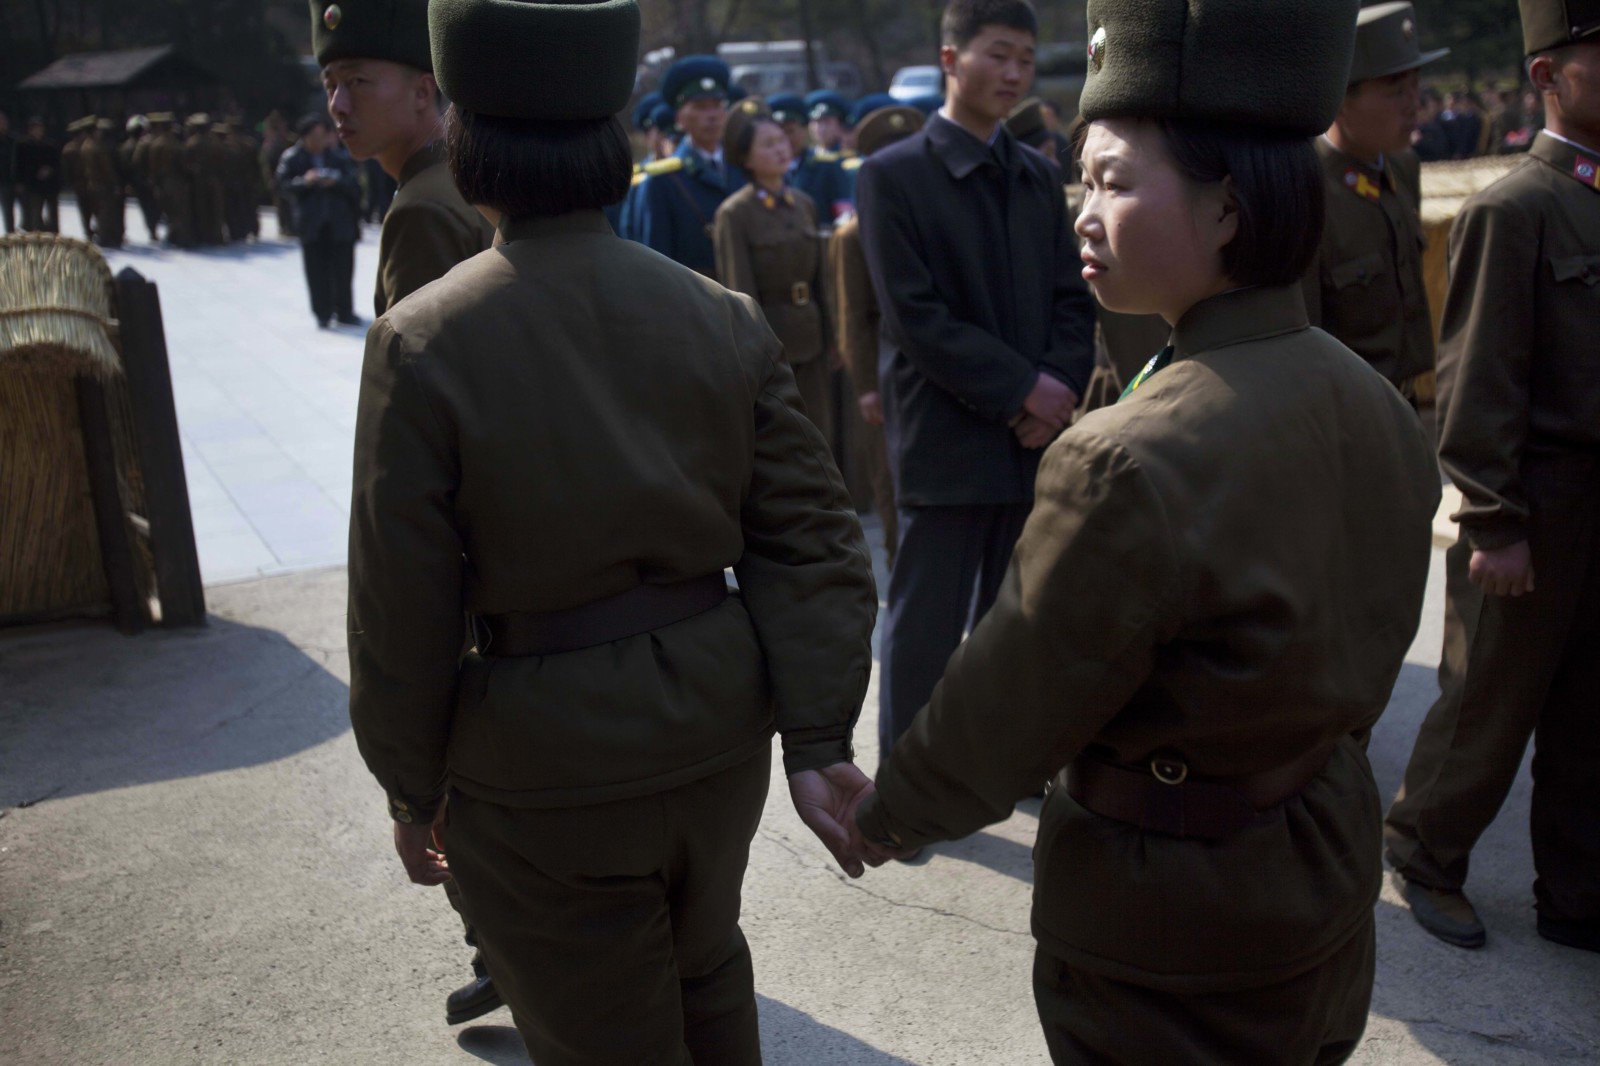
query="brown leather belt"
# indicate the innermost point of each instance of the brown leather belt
(1161, 797)
(627, 614)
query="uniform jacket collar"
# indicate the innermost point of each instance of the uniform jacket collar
(962, 153)
(430, 154)
(695, 165)
(536, 227)
(1240, 315)
(1576, 163)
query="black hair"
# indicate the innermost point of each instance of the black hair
(525, 167)
(310, 122)
(738, 153)
(965, 19)
(1277, 185)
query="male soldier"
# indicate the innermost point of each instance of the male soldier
(988, 341)
(1366, 286)
(789, 110)
(72, 171)
(202, 164)
(377, 69)
(241, 192)
(133, 163)
(860, 320)
(679, 199)
(1519, 411)
(644, 120)
(39, 172)
(171, 180)
(97, 163)
(817, 171)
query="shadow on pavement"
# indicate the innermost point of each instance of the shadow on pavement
(1008, 857)
(86, 709)
(497, 1044)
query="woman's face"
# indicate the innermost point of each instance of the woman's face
(769, 153)
(1152, 239)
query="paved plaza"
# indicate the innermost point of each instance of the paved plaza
(195, 867)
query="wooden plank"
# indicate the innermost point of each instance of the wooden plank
(155, 418)
(110, 516)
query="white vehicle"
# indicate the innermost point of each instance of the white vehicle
(909, 83)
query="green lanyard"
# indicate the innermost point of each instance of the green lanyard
(1155, 365)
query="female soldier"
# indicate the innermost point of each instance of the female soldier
(767, 246)
(532, 449)
(1214, 592)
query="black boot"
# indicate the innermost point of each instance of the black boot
(474, 999)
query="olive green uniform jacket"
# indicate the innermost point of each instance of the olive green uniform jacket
(428, 229)
(1226, 567)
(528, 438)
(1519, 372)
(768, 248)
(858, 313)
(1366, 285)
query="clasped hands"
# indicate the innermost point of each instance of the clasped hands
(826, 801)
(1045, 413)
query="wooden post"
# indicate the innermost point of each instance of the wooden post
(155, 423)
(110, 514)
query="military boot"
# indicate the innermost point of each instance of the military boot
(474, 999)
(1447, 915)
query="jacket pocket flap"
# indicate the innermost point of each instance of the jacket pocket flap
(1356, 271)
(1576, 267)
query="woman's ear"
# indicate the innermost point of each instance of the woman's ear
(1225, 212)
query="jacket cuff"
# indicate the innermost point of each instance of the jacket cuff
(1487, 536)
(811, 752)
(411, 811)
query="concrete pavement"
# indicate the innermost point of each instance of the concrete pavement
(195, 866)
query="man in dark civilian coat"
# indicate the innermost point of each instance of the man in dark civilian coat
(987, 341)
(321, 177)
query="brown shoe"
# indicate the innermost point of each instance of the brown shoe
(1447, 915)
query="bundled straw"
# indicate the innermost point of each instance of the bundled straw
(1446, 185)
(55, 306)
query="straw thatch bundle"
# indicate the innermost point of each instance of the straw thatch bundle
(55, 306)
(1446, 185)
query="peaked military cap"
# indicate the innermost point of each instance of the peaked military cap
(1550, 24)
(197, 120)
(927, 103)
(741, 117)
(1026, 121)
(787, 107)
(866, 106)
(664, 118)
(644, 109)
(560, 62)
(1387, 42)
(737, 92)
(886, 125)
(695, 78)
(104, 125)
(826, 102)
(1282, 64)
(84, 123)
(137, 122)
(161, 118)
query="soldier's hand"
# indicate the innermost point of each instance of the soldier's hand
(826, 801)
(421, 851)
(871, 407)
(1504, 571)
(1034, 433)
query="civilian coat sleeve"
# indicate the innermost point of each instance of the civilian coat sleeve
(976, 367)
(858, 332)
(1091, 592)
(1071, 354)
(805, 575)
(406, 575)
(423, 242)
(732, 247)
(1485, 357)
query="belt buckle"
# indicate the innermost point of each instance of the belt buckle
(1169, 770)
(800, 294)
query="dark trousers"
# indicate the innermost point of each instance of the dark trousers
(8, 207)
(329, 265)
(150, 208)
(1315, 1019)
(947, 572)
(41, 212)
(612, 930)
(86, 213)
(1514, 668)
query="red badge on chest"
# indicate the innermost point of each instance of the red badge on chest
(1361, 185)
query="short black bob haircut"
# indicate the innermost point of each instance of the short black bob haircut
(965, 19)
(1277, 182)
(737, 151)
(528, 167)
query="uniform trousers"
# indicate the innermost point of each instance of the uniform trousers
(86, 212)
(1515, 667)
(947, 573)
(612, 930)
(110, 213)
(41, 212)
(874, 454)
(1315, 1019)
(8, 205)
(329, 265)
(815, 379)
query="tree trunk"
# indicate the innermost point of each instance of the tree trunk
(805, 37)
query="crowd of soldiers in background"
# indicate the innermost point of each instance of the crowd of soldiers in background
(197, 183)
(1462, 125)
